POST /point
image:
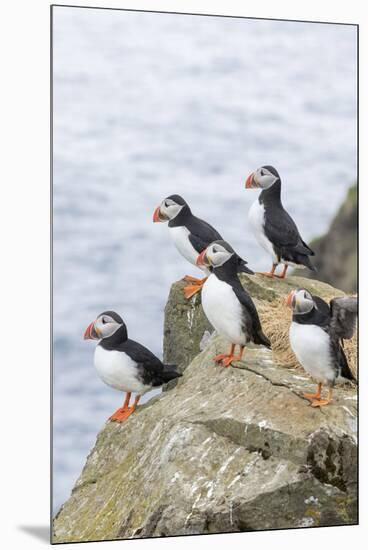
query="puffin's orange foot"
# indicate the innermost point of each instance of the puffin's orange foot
(191, 290)
(226, 362)
(283, 274)
(232, 358)
(320, 402)
(265, 273)
(316, 395)
(312, 395)
(220, 357)
(224, 358)
(195, 280)
(122, 414)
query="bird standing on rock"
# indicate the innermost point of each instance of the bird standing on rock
(191, 236)
(124, 364)
(315, 334)
(228, 307)
(272, 226)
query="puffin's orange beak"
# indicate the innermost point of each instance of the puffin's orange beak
(249, 181)
(289, 299)
(90, 333)
(201, 260)
(156, 215)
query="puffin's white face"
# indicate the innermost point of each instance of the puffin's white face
(262, 178)
(215, 255)
(167, 210)
(300, 301)
(103, 327)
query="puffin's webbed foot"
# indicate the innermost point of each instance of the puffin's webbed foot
(316, 395)
(226, 362)
(125, 411)
(283, 274)
(227, 358)
(312, 395)
(320, 402)
(224, 358)
(192, 289)
(121, 414)
(268, 273)
(323, 402)
(195, 280)
(220, 357)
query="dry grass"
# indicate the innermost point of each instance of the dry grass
(276, 318)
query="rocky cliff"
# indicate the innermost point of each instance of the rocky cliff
(233, 449)
(337, 252)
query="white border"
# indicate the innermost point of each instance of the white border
(24, 314)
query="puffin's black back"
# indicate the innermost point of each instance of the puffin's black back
(280, 228)
(201, 233)
(252, 325)
(151, 370)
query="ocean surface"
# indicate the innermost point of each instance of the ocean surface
(146, 105)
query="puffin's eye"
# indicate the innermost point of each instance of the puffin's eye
(263, 173)
(104, 321)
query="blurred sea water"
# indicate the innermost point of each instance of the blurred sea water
(146, 105)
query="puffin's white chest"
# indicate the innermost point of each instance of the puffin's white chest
(118, 370)
(256, 217)
(180, 236)
(223, 309)
(311, 346)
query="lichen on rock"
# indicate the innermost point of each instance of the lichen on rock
(226, 449)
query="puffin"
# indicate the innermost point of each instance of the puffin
(316, 337)
(191, 236)
(273, 227)
(123, 364)
(228, 307)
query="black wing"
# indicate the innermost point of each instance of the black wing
(344, 313)
(242, 267)
(141, 354)
(202, 234)
(151, 370)
(282, 231)
(340, 360)
(250, 316)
